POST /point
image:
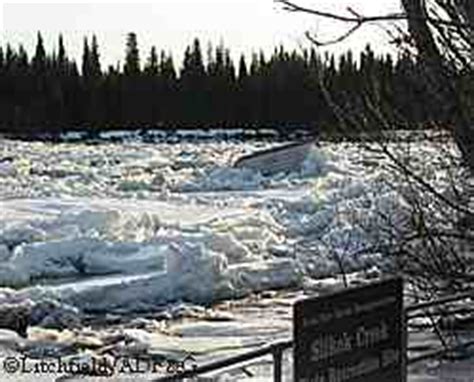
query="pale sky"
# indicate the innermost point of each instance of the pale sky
(242, 25)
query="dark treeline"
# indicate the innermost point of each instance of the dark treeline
(50, 93)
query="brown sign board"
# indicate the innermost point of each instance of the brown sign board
(356, 335)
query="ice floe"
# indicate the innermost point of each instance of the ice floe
(132, 226)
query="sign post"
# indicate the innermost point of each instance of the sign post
(356, 335)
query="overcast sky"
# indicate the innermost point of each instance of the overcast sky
(242, 25)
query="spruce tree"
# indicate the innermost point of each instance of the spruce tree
(229, 69)
(62, 59)
(167, 69)
(151, 67)
(197, 61)
(22, 60)
(243, 72)
(2, 59)
(95, 68)
(39, 59)
(132, 56)
(86, 60)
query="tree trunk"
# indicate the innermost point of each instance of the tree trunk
(436, 69)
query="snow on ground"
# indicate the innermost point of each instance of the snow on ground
(132, 228)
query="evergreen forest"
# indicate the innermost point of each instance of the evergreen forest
(51, 93)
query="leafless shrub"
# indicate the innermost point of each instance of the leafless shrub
(433, 247)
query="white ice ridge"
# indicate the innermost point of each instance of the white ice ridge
(170, 254)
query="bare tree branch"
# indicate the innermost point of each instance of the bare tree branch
(337, 40)
(458, 22)
(355, 18)
(362, 19)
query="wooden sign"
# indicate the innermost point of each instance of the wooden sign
(356, 335)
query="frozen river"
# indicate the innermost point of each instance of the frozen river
(182, 217)
(138, 229)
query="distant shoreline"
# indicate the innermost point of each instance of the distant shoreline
(178, 134)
